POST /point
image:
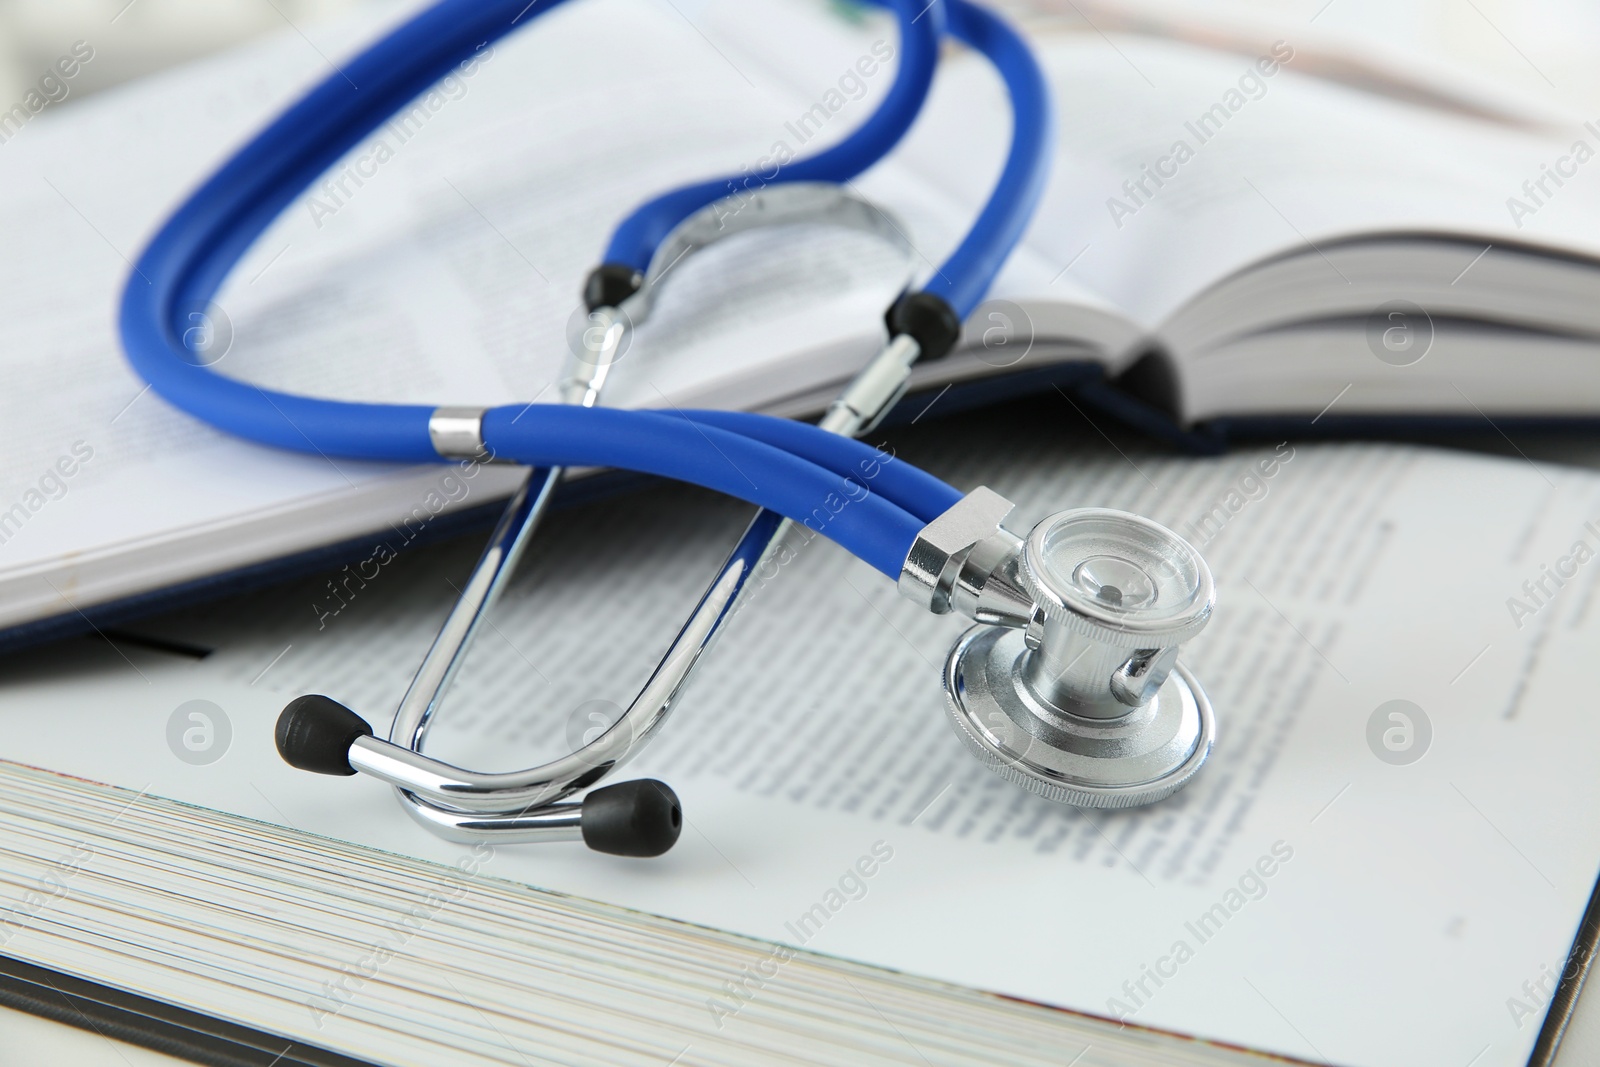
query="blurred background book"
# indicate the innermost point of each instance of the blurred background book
(1537, 49)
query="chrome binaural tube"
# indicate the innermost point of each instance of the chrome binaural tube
(531, 804)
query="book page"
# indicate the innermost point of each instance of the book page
(1176, 165)
(1446, 871)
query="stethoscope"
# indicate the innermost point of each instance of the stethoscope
(1068, 685)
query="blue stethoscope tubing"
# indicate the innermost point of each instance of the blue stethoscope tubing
(788, 467)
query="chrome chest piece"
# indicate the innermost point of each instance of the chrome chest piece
(1070, 685)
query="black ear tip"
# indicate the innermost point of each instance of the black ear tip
(639, 818)
(315, 734)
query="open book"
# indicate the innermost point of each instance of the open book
(1224, 237)
(1384, 864)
